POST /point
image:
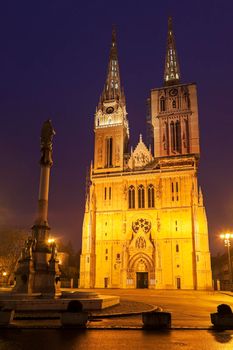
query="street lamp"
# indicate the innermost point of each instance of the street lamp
(226, 237)
(4, 278)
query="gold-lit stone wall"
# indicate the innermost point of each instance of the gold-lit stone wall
(169, 242)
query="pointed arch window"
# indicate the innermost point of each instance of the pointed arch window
(141, 196)
(151, 196)
(165, 136)
(131, 197)
(177, 191)
(172, 131)
(109, 152)
(172, 188)
(175, 131)
(162, 104)
(174, 104)
(105, 193)
(186, 135)
(178, 136)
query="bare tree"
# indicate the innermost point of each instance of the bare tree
(11, 243)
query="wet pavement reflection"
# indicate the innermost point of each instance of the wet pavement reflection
(114, 339)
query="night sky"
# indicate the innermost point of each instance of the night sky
(53, 62)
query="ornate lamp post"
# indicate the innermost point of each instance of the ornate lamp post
(226, 237)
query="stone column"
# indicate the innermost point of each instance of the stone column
(37, 270)
(41, 227)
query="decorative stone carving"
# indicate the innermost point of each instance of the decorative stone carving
(125, 191)
(140, 243)
(144, 224)
(53, 251)
(117, 151)
(141, 156)
(158, 190)
(28, 248)
(158, 223)
(46, 138)
(100, 150)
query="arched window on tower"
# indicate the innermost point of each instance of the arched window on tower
(131, 197)
(151, 196)
(172, 190)
(141, 196)
(174, 104)
(109, 152)
(178, 136)
(165, 136)
(172, 132)
(162, 104)
(175, 131)
(186, 135)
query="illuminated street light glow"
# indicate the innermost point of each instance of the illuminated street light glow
(51, 240)
(226, 237)
(4, 273)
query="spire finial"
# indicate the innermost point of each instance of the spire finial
(172, 69)
(113, 35)
(112, 87)
(170, 23)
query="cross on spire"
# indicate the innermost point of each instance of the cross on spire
(172, 69)
(112, 88)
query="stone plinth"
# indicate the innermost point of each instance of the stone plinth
(6, 317)
(221, 320)
(33, 303)
(156, 320)
(74, 319)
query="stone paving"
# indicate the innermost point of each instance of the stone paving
(127, 314)
(125, 307)
(190, 310)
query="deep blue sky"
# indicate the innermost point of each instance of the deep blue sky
(53, 61)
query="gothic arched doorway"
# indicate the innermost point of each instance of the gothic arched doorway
(141, 274)
(141, 270)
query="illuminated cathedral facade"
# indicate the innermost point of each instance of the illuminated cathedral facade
(145, 223)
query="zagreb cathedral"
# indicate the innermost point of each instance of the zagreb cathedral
(145, 223)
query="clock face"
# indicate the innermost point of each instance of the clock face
(109, 110)
(173, 92)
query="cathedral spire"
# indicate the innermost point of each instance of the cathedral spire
(112, 88)
(172, 69)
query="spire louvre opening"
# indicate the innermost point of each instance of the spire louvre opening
(172, 69)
